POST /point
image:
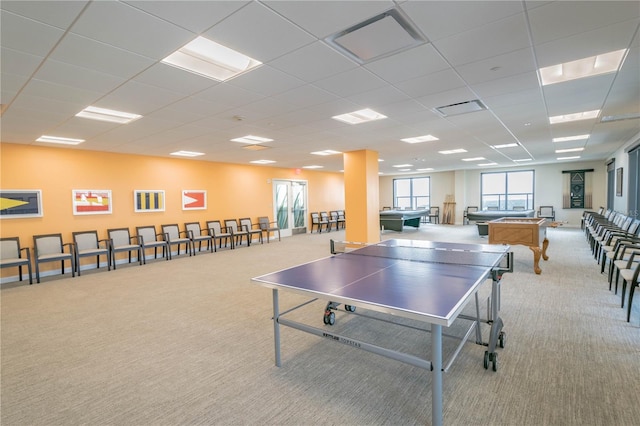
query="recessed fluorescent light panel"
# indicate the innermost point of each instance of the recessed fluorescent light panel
(474, 159)
(561, 151)
(505, 145)
(570, 138)
(187, 154)
(59, 140)
(210, 59)
(587, 67)
(399, 166)
(262, 161)
(586, 115)
(383, 35)
(452, 151)
(487, 164)
(568, 158)
(419, 139)
(522, 160)
(326, 152)
(620, 117)
(312, 167)
(110, 115)
(361, 116)
(251, 139)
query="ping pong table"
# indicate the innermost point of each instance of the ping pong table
(427, 281)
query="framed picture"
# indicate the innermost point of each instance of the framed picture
(148, 200)
(194, 199)
(20, 203)
(91, 201)
(619, 182)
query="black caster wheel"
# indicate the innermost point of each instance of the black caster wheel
(486, 360)
(329, 318)
(349, 308)
(502, 339)
(495, 362)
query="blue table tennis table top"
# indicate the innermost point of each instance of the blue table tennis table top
(425, 280)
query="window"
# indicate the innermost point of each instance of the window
(411, 193)
(507, 190)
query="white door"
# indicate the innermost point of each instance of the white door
(290, 205)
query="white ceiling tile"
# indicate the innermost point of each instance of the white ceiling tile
(28, 36)
(60, 73)
(266, 81)
(351, 82)
(437, 82)
(440, 19)
(561, 19)
(322, 18)
(410, 64)
(98, 56)
(481, 43)
(145, 34)
(174, 79)
(584, 45)
(313, 62)
(258, 32)
(195, 16)
(47, 12)
(138, 98)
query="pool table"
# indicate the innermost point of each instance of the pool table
(395, 220)
(530, 232)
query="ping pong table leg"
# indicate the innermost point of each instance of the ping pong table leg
(436, 371)
(276, 327)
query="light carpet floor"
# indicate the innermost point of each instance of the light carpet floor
(190, 341)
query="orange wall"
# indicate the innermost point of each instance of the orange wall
(233, 191)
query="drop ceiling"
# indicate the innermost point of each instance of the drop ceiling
(58, 57)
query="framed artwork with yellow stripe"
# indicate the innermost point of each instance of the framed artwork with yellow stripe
(20, 203)
(148, 200)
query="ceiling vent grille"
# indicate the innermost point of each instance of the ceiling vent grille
(461, 108)
(383, 35)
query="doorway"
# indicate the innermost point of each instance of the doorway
(290, 206)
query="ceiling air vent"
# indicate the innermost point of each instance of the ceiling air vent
(383, 35)
(461, 108)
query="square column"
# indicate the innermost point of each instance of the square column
(362, 196)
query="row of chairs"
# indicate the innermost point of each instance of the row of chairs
(327, 221)
(614, 239)
(51, 247)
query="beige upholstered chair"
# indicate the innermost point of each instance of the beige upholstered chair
(330, 221)
(12, 255)
(268, 227)
(149, 239)
(237, 232)
(176, 237)
(247, 225)
(199, 236)
(317, 222)
(469, 209)
(219, 232)
(51, 248)
(434, 214)
(547, 212)
(87, 244)
(120, 240)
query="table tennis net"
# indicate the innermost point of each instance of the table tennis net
(447, 254)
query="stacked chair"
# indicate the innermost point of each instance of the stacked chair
(614, 239)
